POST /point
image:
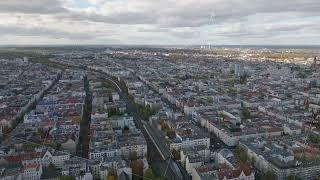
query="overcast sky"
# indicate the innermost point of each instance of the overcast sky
(216, 22)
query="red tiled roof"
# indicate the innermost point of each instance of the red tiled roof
(231, 174)
(32, 155)
(23, 157)
(31, 166)
(13, 159)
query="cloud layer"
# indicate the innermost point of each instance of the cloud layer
(160, 22)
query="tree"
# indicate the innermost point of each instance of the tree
(176, 154)
(111, 178)
(210, 100)
(68, 86)
(112, 112)
(246, 113)
(112, 174)
(148, 174)
(171, 133)
(133, 155)
(58, 146)
(292, 177)
(156, 171)
(41, 132)
(51, 167)
(243, 79)
(225, 166)
(126, 130)
(29, 146)
(314, 139)
(253, 161)
(268, 176)
(6, 130)
(137, 169)
(241, 154)
(146, 111)
(303, 157)
(64, 177)
(164, 125)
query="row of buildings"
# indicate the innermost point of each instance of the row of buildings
(115, 141)
(43, 146)
(21, 85)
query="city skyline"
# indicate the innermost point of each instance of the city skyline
(82, 22)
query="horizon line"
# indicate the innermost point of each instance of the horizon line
(162, 45)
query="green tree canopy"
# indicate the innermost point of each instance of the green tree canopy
(171, 133)
(137, 169)
(241, 154)
(65, 177)
(176, 154)
(112, 174)
(133, 155)
(148, 175)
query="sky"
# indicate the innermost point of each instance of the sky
(160, 22)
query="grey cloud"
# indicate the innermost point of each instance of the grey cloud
(289, 27)
(153, 29)
(181, 33)
(166, 13)
(194, 13)
(31, 6)
(168, 18)
(33, 31)
(130, 18)
(185, 34)
(264, 30)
